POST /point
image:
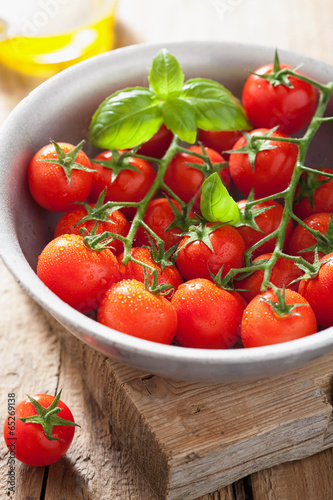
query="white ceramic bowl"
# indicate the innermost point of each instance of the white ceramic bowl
(61, 108)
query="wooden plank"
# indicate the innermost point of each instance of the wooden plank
(311, 478)
(189, 439)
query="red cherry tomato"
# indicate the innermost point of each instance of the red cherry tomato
(75, 273)
(318, 291)
(208, 316)
(68, 224)
(302, 239)
(130, 308)
(133, 270)
(261, 325)
(158, 216)
(158, 145)
(196, 259)
(283, 273)
(273, 168)
(267, 105)
(267, 221)
(48, 183)
(321, 196)
(129, 185)
(185, 180)
(221, 141)
(28, 442)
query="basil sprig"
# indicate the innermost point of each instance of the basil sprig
(132, 116)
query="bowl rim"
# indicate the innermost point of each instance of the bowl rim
(14, 260)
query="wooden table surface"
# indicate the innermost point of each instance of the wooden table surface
(33, 355)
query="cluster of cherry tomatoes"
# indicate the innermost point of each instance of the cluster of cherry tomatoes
(195, 311)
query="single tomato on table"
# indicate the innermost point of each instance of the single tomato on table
(40, 431)
(208, 316)
(59, 175)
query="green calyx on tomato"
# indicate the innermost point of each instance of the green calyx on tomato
(153, 287)
(281, 308)
(253, 146)
(250, 212)
(100, 211)
(67, 161)
(132, 116)
(216, 204)
(119, 162)
(278, 76)
(47, 417)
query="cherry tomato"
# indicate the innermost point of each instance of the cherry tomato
(318, 291)
(75, 273)
(195, 259)
(129, 185)
(48, 183)
(267, 105)
(261, 325)
(133, 270)
(302, 239)
(68, 224)
(283, 273)
(185, 180)
(158, 216)
(158, 145)
(267, 221)
(130, 308)
(28, 441)
(321, 195)
(273, 168)
(221, 141)
(208, 316)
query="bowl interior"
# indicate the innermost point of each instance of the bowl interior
(61, 109)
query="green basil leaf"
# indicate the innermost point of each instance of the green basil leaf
(216, 107)
(126, 119)
(216, 204)
(166, 77)
(179, 117)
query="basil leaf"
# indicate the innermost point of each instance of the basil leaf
(179, 117)
(216, 204)
(166, 77)
(216, 107)
(126, 119)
